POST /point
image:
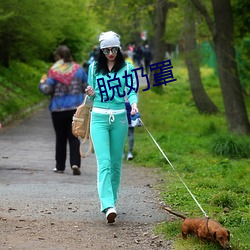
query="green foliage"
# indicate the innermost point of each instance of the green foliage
(126, 15)
(224, 200)
(19, 87)
(231, 146)
(219, 183)
(27, 33)
(243, 60)
(175, 24)
(241, 17)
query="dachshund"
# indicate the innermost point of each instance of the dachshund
(204, 229)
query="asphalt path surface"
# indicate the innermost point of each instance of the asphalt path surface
(34, 200)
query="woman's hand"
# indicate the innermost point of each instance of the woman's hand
(43, 79)
(90, 91)
(134, 109)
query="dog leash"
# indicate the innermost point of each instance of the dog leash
(174, 170)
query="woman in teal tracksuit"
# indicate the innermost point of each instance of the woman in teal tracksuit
(108, 83)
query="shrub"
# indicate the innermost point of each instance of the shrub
(223, 200)
(231, 146)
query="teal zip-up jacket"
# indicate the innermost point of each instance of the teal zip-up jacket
(110, 89)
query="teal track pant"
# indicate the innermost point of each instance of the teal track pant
(108, 139)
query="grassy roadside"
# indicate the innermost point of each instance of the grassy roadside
(213, 164)
(19, 89)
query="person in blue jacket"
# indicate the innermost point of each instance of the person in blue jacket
(109, 124)
(65, 83)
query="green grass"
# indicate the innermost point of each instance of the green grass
(19, 88)
(214, 164)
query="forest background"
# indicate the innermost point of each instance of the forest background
(204, 115)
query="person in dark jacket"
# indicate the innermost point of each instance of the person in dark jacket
(148, 57)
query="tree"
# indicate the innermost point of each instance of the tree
(23, 33)
(28, 33)
(223, 37)
(201, 99)
(127, 17)
(159, 44)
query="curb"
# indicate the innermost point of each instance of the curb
(22, 114)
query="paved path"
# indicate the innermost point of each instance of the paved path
(29, 189)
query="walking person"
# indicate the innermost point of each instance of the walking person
(65, 84)
(138, 55)
(148, 57)
(109, 125)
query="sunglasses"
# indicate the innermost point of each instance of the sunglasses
(106, 51)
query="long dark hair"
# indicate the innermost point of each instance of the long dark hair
(101, 64)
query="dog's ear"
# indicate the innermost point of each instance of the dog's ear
(228, 237)
(214, 235)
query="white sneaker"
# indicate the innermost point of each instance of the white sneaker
(130, 156)
(111, 214)
(58, 171)
(76, 170)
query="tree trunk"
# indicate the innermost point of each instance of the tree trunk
(159, 45)
(201, 99)
(160, 25)
(235, 108)
(223, 37)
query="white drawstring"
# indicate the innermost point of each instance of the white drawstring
(110, 112)
(111, 117)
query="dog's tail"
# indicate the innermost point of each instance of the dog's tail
(175, 213)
